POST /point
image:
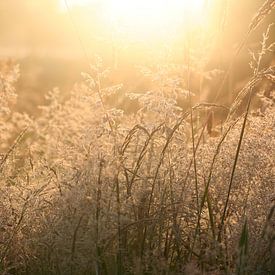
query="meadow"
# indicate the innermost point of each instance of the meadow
(168, 169)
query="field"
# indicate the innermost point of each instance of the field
(144, 148)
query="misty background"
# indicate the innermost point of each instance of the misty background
(53, 45)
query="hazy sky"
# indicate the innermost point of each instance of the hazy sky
(39, 26)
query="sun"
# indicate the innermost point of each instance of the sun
(145, 16)
(153, 13)
(153, 7)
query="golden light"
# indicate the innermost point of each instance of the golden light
(144, 16)
(74, 3)
(150, 9)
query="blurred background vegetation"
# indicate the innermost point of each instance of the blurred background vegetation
(53, 44)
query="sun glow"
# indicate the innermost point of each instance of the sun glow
(157, 13)
(152, 8)
(75, 3)
(146, 15)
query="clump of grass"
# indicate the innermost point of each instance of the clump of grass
(86, 189)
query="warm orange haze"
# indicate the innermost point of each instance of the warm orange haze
(55, 41)
(137, 137)
(142, 12)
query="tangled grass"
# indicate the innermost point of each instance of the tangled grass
(86, 189)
